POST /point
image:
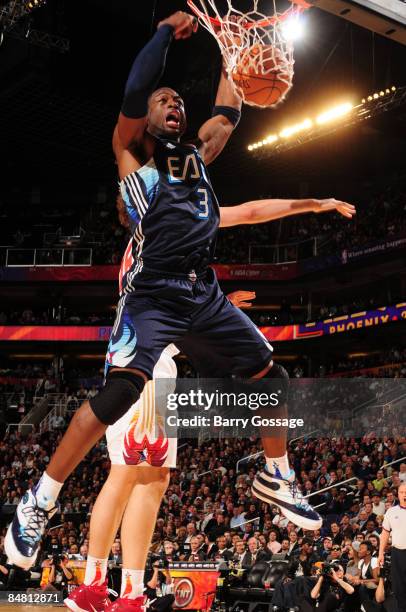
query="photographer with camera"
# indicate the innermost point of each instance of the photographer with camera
(60, 574)
(159, 585)
(330, 590)
(394, 525)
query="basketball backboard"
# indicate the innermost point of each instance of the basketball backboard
(385, 17)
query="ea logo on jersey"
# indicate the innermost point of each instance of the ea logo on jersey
(182, 168)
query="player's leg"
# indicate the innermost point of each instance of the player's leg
(140, 334)
(144, 503)
(145, 445)
(132, 452)
(92, 595)
(236, 346)
(136, 534)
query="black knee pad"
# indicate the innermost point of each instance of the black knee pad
(122, 389)
(281, 378)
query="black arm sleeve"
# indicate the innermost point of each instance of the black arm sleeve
(145, 73)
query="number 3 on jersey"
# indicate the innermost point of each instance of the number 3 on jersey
(203, 205)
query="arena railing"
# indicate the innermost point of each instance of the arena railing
(385, 466)
(58, 411)
(22, 258)
(282, 253)
(43, 406)
(19, 427)
(389, 396)
(335, 484)
(11, 399)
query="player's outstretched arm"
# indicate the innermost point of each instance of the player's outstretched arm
(144, 76)
(216, 131)
(261, 211)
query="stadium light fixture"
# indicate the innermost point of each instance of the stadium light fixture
(334, 113)
(292, 28)
(271, 138)
(261, 143)
(295, 129)
(34, 4)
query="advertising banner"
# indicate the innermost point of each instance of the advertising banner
(276, 333)
(194, 589)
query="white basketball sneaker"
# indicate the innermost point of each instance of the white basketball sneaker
(285, 493)
(24, 533)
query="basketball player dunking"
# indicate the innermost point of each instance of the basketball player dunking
(168, 292)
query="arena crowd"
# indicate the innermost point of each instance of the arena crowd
(209, 512)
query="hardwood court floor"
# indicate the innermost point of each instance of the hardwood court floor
(27, 608)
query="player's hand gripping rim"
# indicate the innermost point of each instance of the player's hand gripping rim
(184, 25)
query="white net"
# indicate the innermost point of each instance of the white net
(256, 47)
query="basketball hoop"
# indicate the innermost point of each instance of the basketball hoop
(257, 54)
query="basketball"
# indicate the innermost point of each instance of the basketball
(261, 77)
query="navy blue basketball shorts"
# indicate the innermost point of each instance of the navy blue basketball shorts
(218, 338)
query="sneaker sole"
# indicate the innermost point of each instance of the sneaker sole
(72, 605)
(14, 555)
(300, 521)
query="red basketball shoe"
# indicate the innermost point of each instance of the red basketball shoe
(123, 604)
(88, 598)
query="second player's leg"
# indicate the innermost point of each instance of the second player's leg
(144, 504)
(104, 523)
(109, 509)
(137, 529)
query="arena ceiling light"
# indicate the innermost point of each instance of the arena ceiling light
(34, 4)
(15, 10)
(335, 113)
(332, 114)
(295, 129)
(293, 28)
(381, 94)
(344, 114)
(268, 140)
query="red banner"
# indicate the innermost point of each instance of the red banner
(14, 380)
(55, 333)
(256, 272)
(89, 274)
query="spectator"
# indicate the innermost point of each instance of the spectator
(367, 579)
(195, 554)
(293, 543)
(253, 554)
(273, 545)
(240, 549)
(115, 554)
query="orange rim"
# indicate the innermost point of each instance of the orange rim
(299, 6)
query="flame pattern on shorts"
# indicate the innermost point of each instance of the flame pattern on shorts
(145, 440)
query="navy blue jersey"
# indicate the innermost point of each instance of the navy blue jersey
(174, 215)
